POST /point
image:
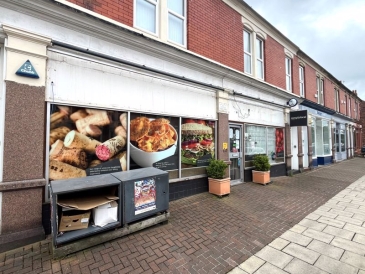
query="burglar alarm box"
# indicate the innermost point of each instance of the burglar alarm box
(72, 202)
(146, 192)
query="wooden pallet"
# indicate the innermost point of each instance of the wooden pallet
(62, 251)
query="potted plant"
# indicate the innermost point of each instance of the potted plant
(261, 172)
(219, 183)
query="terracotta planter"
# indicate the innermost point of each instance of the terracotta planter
(219, 186)
(261, 177)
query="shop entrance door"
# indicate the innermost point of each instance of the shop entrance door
(235, 154)
(305, 146)
(294, 148)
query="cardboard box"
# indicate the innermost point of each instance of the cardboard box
(74, 220)
(105, 214)
(82, 205)
(85, 202)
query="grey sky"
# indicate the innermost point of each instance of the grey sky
(331, 32)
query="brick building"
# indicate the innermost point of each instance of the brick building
(78, 68)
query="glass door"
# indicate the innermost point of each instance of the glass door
(235, 154)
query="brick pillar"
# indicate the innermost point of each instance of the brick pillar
(23, 181)
(223, 127)
(288, 154)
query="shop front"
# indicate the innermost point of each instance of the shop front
(121, 119)
(255, 129)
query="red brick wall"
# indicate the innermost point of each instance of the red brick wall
(215, 31)
(310, 83)
(329, 94)
(118, 10)
(274, 63)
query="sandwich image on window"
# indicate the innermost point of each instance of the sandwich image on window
(197, 143)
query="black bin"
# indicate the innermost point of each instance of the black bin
(145, 192)
(85, 187)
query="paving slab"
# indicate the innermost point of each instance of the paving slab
(279, 243)
(326, 249)
(338, 232)
(301, 253)
(296, 238)
(269, 268)
(252, 264)
(359, 239)
(334, 266)
(312, 224)
(320, 236)
(274, 256)
(299, 267)
(349, 245)
(353, 259)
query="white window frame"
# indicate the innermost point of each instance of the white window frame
(247, 53)
(301, 81)
(182, 17)
(162, 21)
(337, 99)
(350, 112)
(156, 4)
(320, 87)
(258, 59)
(288, 73)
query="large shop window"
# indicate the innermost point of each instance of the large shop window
(323, 137)
(313, 125)
(264, 140)
(85, 142)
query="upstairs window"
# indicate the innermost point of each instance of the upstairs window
(301, 81)
(337, 100)
(320, 85)
(346, 105)
(146, 15)
(176, 23)
(350, 107)
(247, 45)
(253, 49)
(165, 19)
(288, 73)
(259, 58)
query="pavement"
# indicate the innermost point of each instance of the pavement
(313, 222)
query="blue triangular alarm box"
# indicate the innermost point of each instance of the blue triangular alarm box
(27, 70)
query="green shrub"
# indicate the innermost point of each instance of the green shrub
(261, 162)
(216, 169)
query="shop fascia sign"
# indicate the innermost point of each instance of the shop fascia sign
(298, 118)
(27, 70)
